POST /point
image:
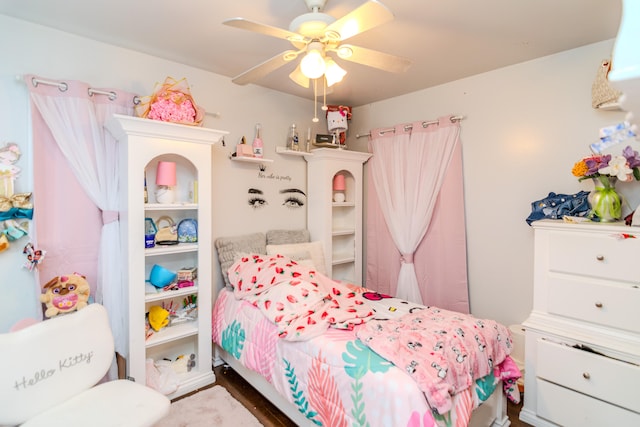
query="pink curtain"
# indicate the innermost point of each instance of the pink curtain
(440, 258)
(67, 222)
(76, 189)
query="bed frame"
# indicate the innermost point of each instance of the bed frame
(493, 412)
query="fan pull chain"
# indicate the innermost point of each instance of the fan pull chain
(324, 94)
(315, 101)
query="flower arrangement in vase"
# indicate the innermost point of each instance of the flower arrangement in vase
(606, 170)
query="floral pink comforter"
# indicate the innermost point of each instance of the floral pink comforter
(333, 379)
(352, 344)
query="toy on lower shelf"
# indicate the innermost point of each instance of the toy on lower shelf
(170, 314)
(183, 363)
(162, 375)
(187, 273)
(158, 317)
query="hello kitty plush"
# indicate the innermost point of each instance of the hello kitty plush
(337, 122)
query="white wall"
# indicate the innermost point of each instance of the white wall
(33, 49)
(524, 128)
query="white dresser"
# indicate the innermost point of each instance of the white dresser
(586, 294)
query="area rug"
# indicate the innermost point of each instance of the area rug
(211, 407)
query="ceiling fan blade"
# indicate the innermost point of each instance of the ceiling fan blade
(268, 30)
(369, 15)
(268, 66)
(373, 58)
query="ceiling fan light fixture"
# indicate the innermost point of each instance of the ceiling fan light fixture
(316, 33)
(299, 78)
(334, 73)
(313, 65)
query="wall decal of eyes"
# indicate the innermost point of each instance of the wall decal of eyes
(256, 198)
(292, 198)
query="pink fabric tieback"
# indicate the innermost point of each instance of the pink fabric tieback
(407, 258)
(109, 217)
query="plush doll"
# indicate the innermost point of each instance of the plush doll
(158, 317)
(64, 294)
(184, 363)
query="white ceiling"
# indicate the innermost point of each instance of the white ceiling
(446, 39)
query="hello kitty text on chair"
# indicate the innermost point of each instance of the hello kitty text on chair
(53, 371)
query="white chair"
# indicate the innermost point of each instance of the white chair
(49, 372)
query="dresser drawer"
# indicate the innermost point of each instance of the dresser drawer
(598, 255)
(612, 305)
(598, 376)
(571, 409)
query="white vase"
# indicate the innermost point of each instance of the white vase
(165, 195)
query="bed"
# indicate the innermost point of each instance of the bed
(330, 353)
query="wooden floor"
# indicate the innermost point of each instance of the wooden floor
(270, 416)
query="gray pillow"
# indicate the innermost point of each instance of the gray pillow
(285, 237)
(229, 248)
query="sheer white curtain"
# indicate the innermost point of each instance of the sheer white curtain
(408, 167)
(75, 115)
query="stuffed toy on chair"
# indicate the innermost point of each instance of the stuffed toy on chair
(64, 294)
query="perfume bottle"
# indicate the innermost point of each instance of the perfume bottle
(292, 140)
(257, 143)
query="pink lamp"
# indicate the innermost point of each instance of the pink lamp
(165, 181)
(339, 187)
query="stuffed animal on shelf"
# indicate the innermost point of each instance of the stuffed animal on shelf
(184, 363)
(162, 375)
(158, 317)
(64, 294)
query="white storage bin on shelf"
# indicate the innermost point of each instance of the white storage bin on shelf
(142, 144)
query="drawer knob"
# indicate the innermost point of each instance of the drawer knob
(599, 304)
(600, 257)
(586, 375)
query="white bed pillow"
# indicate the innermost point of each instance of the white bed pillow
(293, 250)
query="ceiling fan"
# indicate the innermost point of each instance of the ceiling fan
(317, 34)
